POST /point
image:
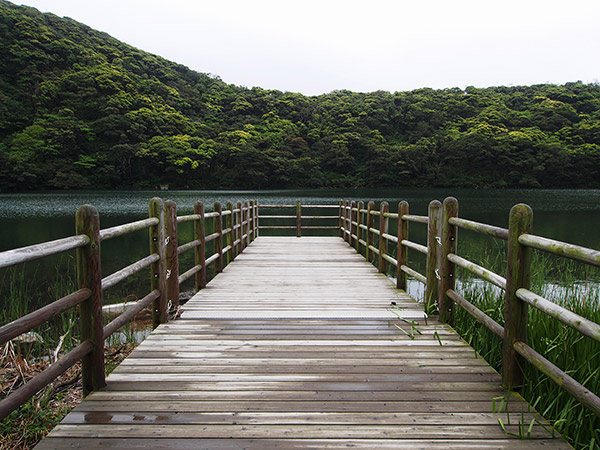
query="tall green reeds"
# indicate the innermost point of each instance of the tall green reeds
(573, 286)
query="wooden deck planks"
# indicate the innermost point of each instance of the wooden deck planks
(294, 346)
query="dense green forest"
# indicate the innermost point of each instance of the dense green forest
(79, 109)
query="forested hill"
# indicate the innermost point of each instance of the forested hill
(79, 109)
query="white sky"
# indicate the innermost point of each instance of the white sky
(317, 46)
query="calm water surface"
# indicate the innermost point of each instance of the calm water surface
(567, 215)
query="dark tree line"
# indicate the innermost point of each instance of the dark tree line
(79, 109)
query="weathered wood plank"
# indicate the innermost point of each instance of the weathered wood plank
(298, 431)
(347, 379)
(288, 418)
(271, 444)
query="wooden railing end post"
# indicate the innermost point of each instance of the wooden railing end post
(516, 310)
(447, 269)
(402, 252)
(433, 247)
(298, 218)
(158, 268)
(89, 276)
(171, 254)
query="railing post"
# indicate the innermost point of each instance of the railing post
(383, 229)
(402, 251)
(247, 219)
(256, 223)
(370, 224)
(89, 276)
(200, 250)
(240, 220)
(446, 270)
(341, 219)
(229, 238)
(347, 236)
(360, 206)
(433, 235)
(350, 224)
(158, 271)
(172, 255)
(251, 221)
(515, 310)
(298, 219)
(218, 228)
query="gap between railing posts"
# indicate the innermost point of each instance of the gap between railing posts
(370, 225)
(383, 229)
(200, 251)
(353, 233)
(402, 251)
(218, 242)
(252, 212)
(229, 222)
(359, 232)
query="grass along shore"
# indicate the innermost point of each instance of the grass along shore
(29, 354)
(563, 282)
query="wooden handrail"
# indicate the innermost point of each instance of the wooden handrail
(25, 254)
(121, 230)
(39, 316)
(575, 252)
(126, 272)
(440, 276)
(236, 226)
(480, 271)
(497, 232)
(564, 380)
(163, 261)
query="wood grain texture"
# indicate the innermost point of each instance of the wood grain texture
(260, 375)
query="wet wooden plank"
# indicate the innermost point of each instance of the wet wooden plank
(291, 431)
(273, 444)
(253, 379)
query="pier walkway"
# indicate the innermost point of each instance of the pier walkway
(300, 343)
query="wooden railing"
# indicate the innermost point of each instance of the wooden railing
(364, 228)
(233, 230)
(300, 222)
(368, 230)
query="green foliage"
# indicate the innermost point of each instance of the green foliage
(81, 109)
(559, 281)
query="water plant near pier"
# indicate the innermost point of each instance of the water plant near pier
(560, 281)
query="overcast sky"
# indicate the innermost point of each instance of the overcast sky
(317, 46)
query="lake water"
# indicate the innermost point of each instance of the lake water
(567, 215)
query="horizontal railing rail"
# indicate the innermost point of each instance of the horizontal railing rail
(369, 232)
(368, 229)
(299, 218)
(517, 295)
(229, 239)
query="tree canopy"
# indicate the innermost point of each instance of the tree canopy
(80, 109)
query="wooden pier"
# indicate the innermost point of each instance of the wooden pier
(300, 343)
